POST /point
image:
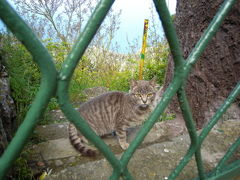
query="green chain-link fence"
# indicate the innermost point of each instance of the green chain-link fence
(55, 84)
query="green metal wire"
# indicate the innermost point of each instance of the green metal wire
(227, 172)
(171, 90)
(210, 31)
(53, 84)
(46, 91)
(226, 157)
(170, 32)
(187, 115)
(64, 79)
(235, 93)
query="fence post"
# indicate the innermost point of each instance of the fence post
(144, 44)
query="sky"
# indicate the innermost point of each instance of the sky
(132, 19)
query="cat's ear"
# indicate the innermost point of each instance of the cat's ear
(133, 83)
(153, 81)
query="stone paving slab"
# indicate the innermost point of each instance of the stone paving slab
(58, 145)
(156, 161)
(57, 149)
(52, 131)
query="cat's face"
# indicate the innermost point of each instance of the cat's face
(143, 92)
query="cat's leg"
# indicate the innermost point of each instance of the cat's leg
(122, 138)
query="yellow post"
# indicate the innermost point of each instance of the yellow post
(144, 44)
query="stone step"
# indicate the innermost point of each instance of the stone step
(158, 160)
(52, 131)
(57, 152)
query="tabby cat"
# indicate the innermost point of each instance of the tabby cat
(115, 111)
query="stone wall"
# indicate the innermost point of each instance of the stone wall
(7, 108)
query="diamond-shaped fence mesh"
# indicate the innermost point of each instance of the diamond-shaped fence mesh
(55, 84)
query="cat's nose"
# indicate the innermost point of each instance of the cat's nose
(144, 100)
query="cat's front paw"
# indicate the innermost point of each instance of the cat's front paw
(124, 146)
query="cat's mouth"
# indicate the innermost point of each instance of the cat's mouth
(143, 106)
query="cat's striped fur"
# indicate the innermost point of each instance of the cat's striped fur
(115, 111)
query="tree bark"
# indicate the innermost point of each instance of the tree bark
(218, 69)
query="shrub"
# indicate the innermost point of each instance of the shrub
(97, 68)
(23, 74)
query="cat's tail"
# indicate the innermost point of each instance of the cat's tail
(77, 140)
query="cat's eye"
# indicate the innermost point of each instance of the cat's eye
(150, 94)
(137, 95)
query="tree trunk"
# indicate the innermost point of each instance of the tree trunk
(218, 69)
